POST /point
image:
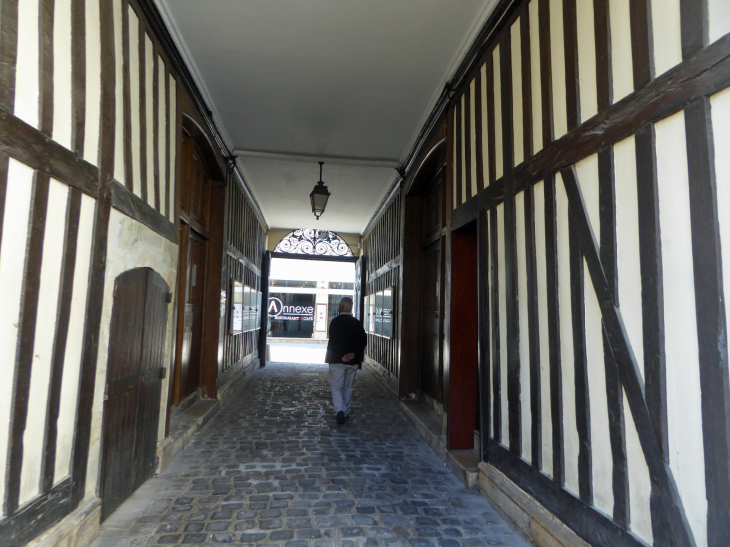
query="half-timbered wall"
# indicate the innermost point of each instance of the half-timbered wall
(89, 129)
(382, 252)
(245, 247)
(591, 141)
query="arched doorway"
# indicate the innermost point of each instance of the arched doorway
(310, 271)
(201, 194)
(130, 421)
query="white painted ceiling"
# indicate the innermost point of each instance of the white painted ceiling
(322, 79)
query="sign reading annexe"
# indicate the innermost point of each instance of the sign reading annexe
(277, 310)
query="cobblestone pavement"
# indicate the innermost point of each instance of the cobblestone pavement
(274, 468)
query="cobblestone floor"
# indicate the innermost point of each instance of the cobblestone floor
(274, 468)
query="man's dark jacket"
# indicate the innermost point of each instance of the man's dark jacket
(346, 336)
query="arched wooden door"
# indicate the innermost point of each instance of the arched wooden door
(135, 370)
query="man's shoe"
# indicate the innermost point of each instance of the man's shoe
(340, 418)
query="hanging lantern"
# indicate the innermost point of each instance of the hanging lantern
(319, 195)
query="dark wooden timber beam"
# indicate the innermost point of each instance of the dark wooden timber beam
(700, 76)
(662, 479)
(30, 146)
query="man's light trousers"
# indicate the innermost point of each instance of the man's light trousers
(342, 378)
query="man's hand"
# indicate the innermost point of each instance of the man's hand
(347, 358)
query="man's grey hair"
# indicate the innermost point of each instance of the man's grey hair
(347, 304)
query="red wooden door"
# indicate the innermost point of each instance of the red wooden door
(132, 399)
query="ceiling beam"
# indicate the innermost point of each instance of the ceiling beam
(311, 158)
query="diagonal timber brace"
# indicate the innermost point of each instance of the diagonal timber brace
(662, 479)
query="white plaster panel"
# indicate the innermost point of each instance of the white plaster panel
(162, 133)
(621, 56)
(498, 136)
(62, 108)
(119, 173)
(570, 428)
(667, 35)
(524, 329)
(473, 137)
(92, 118)
(601, 456)
(464, 144)
(587, 170)
(628, 255)
(542, 317)
(149, 69)
(74, 343)
(130, 245)
(517, 114)
(501, 284)
(134, 95)
(454, 178)
(587, 60)
(719, 18)
(12, 253)
(483, 128)
(684, 404)
(628, 271)
(639, 480)
(45, 328)
(536, 77)
(173, 149)
(27, 66)
(720, 103)
(557, 59)
(492, 340)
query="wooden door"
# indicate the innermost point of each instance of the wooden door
(195, 185)
(431, 281)
(464, 361)
(132, 399)
(193, 256)
(431, 320)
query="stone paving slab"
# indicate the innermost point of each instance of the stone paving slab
(274, 468)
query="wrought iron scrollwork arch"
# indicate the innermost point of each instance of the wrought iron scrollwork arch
(308, 241)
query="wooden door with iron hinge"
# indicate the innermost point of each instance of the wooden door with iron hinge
(135, 369)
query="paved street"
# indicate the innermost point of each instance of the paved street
(274, 468)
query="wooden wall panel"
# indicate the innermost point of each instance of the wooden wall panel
(607, 71)
(245, 248)
(382, 247)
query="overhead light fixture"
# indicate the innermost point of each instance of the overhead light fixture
(319, 195)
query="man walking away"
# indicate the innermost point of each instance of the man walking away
(345, 352)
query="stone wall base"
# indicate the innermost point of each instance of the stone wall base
(524, 511)
(78, 529)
